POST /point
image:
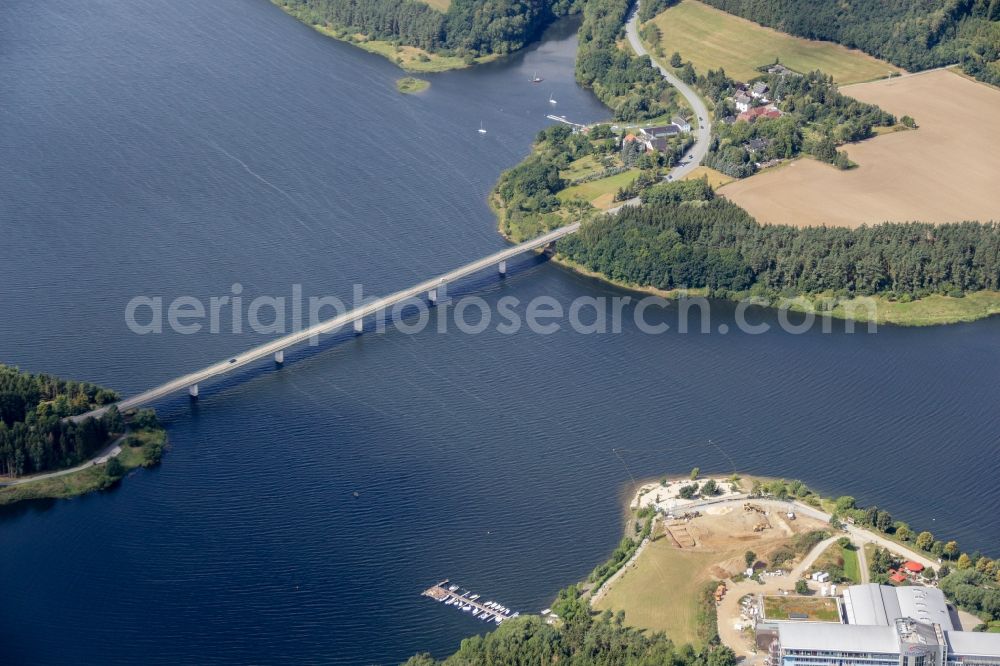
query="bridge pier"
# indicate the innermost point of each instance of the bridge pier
(359, 326)
(279, 357)
(502, 267)
(193, 391)
(432, 296)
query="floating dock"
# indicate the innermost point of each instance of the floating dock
(450, 594)
(562, 119)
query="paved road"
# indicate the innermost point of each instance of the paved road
(106, 452)
(703, 132)
(331, 325)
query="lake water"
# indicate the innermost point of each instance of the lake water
(178, 148)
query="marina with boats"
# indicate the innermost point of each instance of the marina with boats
(450, 594)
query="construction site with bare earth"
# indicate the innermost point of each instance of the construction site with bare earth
(677, 577)
(774, 577)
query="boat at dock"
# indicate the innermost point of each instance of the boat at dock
(469, 602)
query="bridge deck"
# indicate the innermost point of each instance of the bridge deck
(333, 324)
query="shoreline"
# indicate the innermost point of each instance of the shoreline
(839, 517)
(418, 60)
(846, 310)
(137, 448)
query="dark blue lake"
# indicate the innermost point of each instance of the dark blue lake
(176, 148)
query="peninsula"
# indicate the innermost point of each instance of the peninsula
(676, 226)
(733, 569)
(44, 453)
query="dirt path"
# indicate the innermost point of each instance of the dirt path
(598, 594)
(728, 611)
(863, 564)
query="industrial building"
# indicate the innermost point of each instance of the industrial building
(880, 626)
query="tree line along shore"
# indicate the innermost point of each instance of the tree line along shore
(46, 454)
(687, 238)
(578, 633)
(455, 33)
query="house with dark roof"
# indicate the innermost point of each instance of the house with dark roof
(758, 90)
(660, 131)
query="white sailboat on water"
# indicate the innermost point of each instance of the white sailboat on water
(552, 100)
(481, 130)
(535, 78)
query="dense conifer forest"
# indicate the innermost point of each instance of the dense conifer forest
(718, 245)
(914, 35)
(630, 85)
(469, 27)
(33, 435)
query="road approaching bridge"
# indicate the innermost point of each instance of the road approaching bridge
(703, 129)
(276, 348)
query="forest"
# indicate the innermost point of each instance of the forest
(469, 27)
(33, 436)
(912, 35)
(628, 84)
(718, 245)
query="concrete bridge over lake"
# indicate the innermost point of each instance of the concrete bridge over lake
(276, 348)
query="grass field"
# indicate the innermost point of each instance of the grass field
(944, 171)
(929, 311)
(711, 38)
(661, 592)
(715, 178)
(837, 555)
(440, 5)
(815, 609)
(599, 193)
(851, 567)
(581, 168)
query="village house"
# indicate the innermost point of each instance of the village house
(757, 145)
(655, 138)
(758, 90)
(759, 112)
(660, 131)
(742, 101)
(681, 124)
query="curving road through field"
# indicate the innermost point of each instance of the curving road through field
(703, 131)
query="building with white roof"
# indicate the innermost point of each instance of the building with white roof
(882, 626)
(883, 605)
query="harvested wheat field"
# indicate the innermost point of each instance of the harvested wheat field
(945, 171)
